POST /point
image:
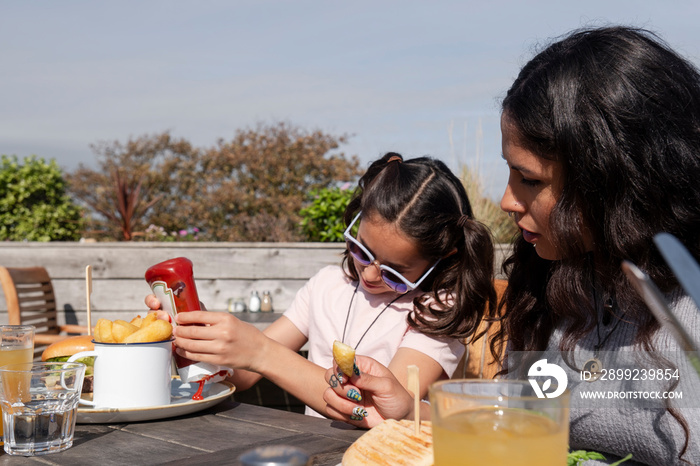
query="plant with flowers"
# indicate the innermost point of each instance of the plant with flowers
(158, 233)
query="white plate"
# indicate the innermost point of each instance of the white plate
(181, 403)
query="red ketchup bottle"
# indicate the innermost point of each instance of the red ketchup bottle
(173, 284)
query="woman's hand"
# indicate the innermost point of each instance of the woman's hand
(381, 395)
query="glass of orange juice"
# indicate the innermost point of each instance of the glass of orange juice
(497, 422)
(16, 346)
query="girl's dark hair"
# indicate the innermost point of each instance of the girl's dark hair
(429, 204)
(620, 111)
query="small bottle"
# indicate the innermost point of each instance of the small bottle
(240, 305)
(254, 304)
(266, 305)
(230, 305)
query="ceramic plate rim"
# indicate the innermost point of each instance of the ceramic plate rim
(90, 415)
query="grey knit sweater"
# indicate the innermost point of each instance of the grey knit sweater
(650, 433)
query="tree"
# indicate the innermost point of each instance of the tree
(248, 189)
(257, 183)
(34, 205)
(131, 179)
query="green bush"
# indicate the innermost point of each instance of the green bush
(322, 219)
(34, 205)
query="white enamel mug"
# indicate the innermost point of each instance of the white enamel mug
(130, 375)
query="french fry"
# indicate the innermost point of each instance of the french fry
(344, 356)
(103, 331)
(156, 331)
(149, 319)
(137, 321)
(122, 329)
(150, 329)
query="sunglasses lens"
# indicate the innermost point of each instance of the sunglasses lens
(357, 252)
(394, 282)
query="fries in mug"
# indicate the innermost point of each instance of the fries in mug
(103, 331)
(139, 330)
(122, 329)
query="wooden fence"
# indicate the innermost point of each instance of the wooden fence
(222, 271)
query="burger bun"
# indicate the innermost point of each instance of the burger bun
(68, 347)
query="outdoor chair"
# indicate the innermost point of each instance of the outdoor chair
(478, 362)
(31, 301)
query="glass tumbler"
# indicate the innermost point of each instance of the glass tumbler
(39, 406)
(495, 422)
(16, 346)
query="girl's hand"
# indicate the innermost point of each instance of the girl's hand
(155, 305)
(152, 302)
(218, 338)
(381, 395)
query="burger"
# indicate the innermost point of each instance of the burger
(64, 349)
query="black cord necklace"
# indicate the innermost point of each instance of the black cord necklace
(594, 365)
(347, 317)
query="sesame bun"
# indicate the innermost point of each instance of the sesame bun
(68, 347)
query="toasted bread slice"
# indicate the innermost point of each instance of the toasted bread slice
(392, 443)
(344, 356)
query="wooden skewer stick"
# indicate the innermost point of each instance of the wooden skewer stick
(88, 292)
(414, 386)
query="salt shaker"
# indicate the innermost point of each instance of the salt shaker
(266, 304)
(254, 304)
(239, 306)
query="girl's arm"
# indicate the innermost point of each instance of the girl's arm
(429, 369)
(284, 332)
(222, 339)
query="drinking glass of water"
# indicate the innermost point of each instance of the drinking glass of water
(39, 406)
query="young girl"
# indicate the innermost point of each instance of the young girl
(415, 279)
(601, 134)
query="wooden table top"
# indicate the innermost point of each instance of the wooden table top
(215, 436)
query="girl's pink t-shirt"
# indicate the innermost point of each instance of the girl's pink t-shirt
(320, 310)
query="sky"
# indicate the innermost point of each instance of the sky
(414, 77)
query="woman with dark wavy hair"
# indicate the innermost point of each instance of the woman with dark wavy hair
(601, 134)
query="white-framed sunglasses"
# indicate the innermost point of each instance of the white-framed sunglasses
(391, 277)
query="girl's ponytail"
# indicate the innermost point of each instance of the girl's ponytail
(468, 276)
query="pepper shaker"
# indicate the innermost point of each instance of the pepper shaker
(266, 304)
